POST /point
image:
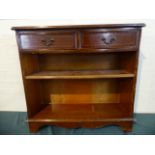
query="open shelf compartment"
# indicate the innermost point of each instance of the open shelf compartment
(84, 113)
(61, 91)
(80, 66)
(83, 100)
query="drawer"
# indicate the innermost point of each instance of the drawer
(47, 40)
(109, 39)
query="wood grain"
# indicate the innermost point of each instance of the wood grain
(109, 39)
(81, 75)
(132, 25)
(48, 40)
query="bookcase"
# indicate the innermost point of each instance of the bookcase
(79, 75)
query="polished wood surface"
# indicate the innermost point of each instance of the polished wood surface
(79, 76)
(62, 40)
(81, 91)
(93, 112)
(112, 39)
(48, 40)
(79, 26)
(80, 61)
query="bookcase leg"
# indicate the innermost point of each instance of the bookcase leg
(34, 127)
(126, 126)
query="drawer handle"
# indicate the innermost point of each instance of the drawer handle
(48, 42)
(108, 40)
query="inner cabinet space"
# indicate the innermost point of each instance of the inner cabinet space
(110, 84)
(99, 93)
(84, 62)
(77, 65)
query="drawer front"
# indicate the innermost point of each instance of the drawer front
(47, 40)
(109, 39)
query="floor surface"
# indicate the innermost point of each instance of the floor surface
(13, 123)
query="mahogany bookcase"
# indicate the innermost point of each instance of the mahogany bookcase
(79, 75)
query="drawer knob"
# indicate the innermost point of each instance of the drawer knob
(47, 42)
(108, 40)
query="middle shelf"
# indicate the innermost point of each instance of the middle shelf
(81, 74)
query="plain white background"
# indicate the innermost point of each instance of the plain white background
(11, 90)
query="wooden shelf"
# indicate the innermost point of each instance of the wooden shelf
(94, 112)
(91, 74)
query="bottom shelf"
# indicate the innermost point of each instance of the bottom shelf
(81, 113)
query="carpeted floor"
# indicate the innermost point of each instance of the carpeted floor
(13, 123)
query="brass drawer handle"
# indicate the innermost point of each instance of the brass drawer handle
(108, 40)
(48, 42)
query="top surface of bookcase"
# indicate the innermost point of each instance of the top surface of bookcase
(78, 26)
